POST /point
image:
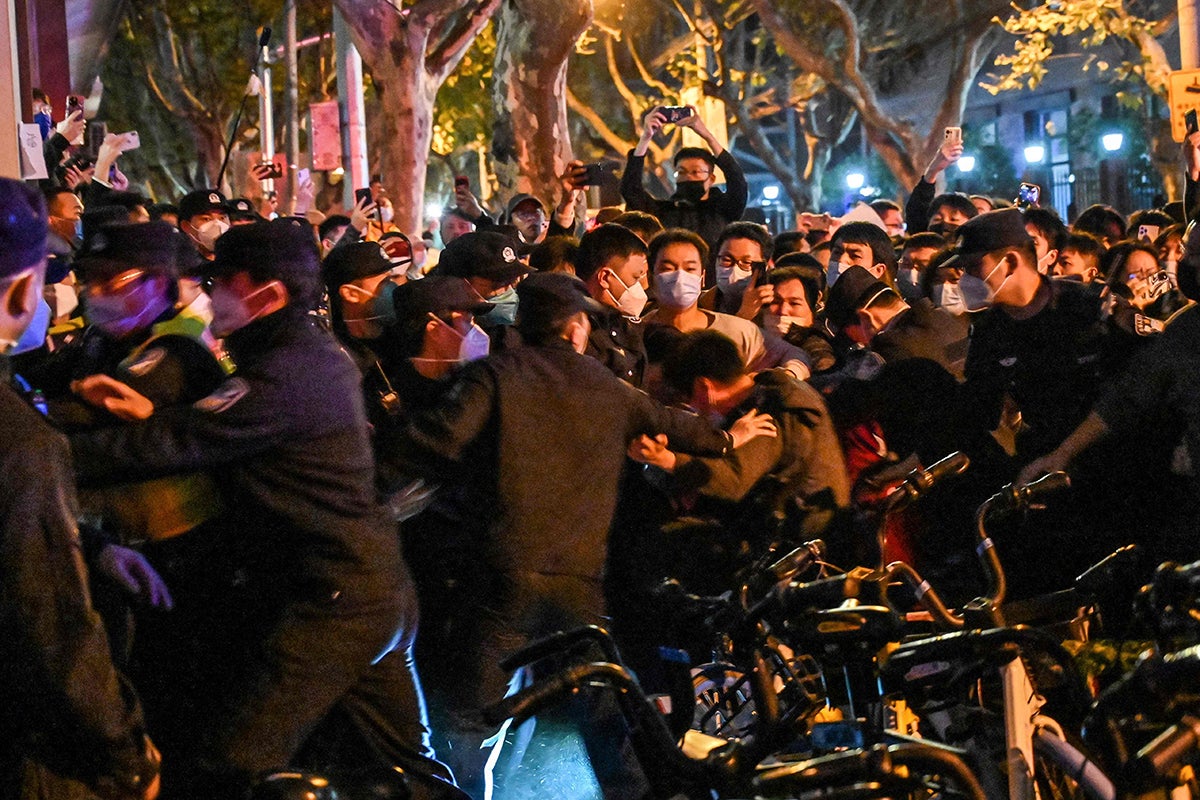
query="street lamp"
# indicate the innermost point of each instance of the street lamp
(855, 180)
(1034, 153)
(966, 163)
(1112, 142)
(770, 192)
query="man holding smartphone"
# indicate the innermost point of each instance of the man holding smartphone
(696, 205)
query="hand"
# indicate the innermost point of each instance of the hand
(467, 202)
(261, 172)
(154, 757)
(72, 127)
(652, 451)
(693, 121)
(75, 177)
(1191, 154)
(119, 180)
(947, 154)
(572, 178)
(133, 573)
(751, 426)
(360, 216)
(652, 124)
(113, 396)
(755, 297)
(1051, 462)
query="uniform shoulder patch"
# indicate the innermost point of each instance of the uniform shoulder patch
(147, 361)
(226, 395)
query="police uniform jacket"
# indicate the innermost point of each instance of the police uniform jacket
(64, 706)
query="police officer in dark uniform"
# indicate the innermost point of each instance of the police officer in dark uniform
(68, 717)
(538, 434)
(318, 624)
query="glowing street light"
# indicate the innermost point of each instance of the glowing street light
(1112, 142)
(855, 180)
(966, 163)
(770, 192)
(1034, 154)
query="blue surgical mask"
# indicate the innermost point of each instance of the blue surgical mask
(678, 289)
(382, 305)
(35, 335)
(833, 272)
(79, 230)
(505, 312)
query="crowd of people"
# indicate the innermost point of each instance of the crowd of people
(244, 451)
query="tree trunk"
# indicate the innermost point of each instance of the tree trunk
(531, 144)
(210, 151)
(410, 52)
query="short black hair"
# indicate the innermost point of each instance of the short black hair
(695, 152)
(1116, 257)
(1049, 224)
(809, 272)
(1151, 216)
(883, 204)
(956, 200)
(924, 239)
(554, 253)
(160, 210)
(875, 237)
(1101, 221)
(672, 236)
(647, 226)
(1086, 245)
(604, 243)
(330, 224)
(787, 242)
(748, 230)
(702, 354)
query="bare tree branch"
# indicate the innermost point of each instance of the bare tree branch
(445, 57)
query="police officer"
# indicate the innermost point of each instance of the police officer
(319, 620)
(66, 714)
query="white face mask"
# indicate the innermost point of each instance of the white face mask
(731, 276)
(781, 323)
(63, 299)
(472, 346)
(208, 233)
(633, 301)
(949, 297)
(833, 272)
(678, 289)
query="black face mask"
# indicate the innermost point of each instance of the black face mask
(690, 191)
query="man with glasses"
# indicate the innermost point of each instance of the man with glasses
(696, 204)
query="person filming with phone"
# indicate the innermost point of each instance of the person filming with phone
(696, 204)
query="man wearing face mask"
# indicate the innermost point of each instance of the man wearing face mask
(538, 435)
(696, 205)
(798, 281)
(70, 718)
(1041, 342)
(862, 244)
(203, 216)
(612, 262)
(744, 250)
(319, 612)
(488, 261)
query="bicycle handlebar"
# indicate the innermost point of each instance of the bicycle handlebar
(559, 642)
(920, 481)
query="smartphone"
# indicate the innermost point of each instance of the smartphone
(953, 135)
(675, 113)
(1189, 120)
(93, 136)
(271, 170)
(302, 176)
(758, 272)
(74, 103)
(461, 182)
(362, 196)
(593, 174)
(132, 141)
(1029, 194)
(1147, 233)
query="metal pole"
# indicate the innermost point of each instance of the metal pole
(292, 96)
(266, 116)
(1189, 37)
(354, 119)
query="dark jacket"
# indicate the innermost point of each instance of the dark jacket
(65, 707)
(540, 434)
(286, 438)
(924, 331)
(708, 217)
(916, 210)
(616, 342)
